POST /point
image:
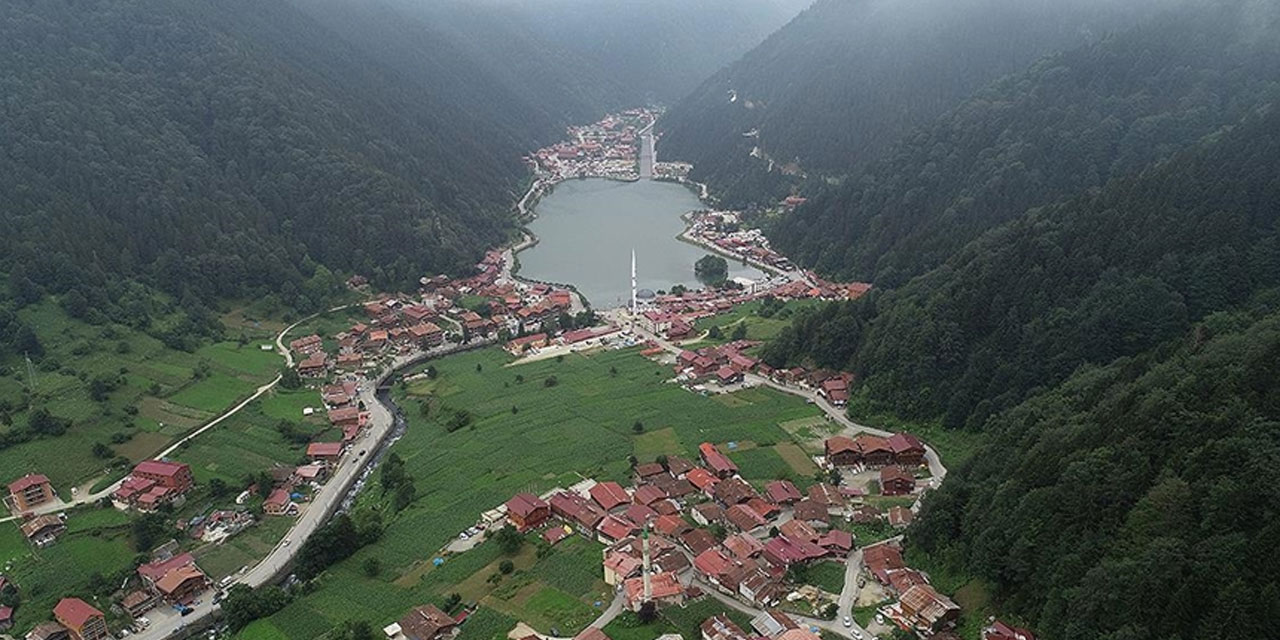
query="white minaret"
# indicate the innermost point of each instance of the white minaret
(633, 281)
(648, 590)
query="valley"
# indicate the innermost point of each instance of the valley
(675, 320)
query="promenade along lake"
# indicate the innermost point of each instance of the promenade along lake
(588, 228)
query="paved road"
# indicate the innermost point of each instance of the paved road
(648, 152)
(936, 468)
(166, 622)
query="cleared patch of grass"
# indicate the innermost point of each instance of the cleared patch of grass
(651, 444)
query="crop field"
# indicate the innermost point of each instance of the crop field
(531, 427)
(763, 464)
(160, 390)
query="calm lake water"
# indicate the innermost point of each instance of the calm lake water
(587, 229)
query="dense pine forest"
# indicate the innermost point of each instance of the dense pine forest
(837, 86)
(228, 149)
(1082, 262)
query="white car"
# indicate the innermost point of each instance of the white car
(857, 635)
(847, 621)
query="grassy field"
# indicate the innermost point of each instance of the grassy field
(96, 542)
(244, 549)
(250, 441)
(580, 424)
(828, 576)
(758, 327)
(162, 392)
(686, 621)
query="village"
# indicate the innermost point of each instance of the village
(685, 530)
(681, 531)
(609, 148)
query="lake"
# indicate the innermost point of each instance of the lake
(587, 229)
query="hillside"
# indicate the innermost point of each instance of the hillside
(226, 150)
(836, 86)
(1072, 122)
(659, 50)
(1118, 348)
(1135, 500)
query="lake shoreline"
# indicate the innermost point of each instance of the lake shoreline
(631, 216)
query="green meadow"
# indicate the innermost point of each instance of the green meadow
(532, 426)
(154, 393)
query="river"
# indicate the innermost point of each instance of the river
(587, 229)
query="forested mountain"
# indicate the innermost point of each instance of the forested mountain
(1070, 123)
(1090, 279)
(837, 85)
(1121, 348)
(246, 149)
(1137, 500)
(660, 49)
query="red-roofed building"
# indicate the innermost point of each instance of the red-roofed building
(591, 633)
(6, 618)
(728, 375)
(640, 514)
(717, 568)
(647, 494)
(327, 452)
(698, 540)
(881, 559)
(278, 503)
(609, 495)
(614, 528)
(81, 619)
(744, 518)
(153, 483)
(874, 449)
(172, 475)
(785, 552)
(31, 490)
(900, 517)
(518, 346)
(766, 509)
(575, 509)
(717, 462)
(670, 525)
(307, 345)
(842, 451)
(664, 589)
(907, 449)
(720, 627)
(344, 417)
(527, 511)
(704, 480)
(707, 514)
(896, 482)
(835, 390)
(783, 492)
(825, 494)
(797, 530)
(426, 335)
(927, 609)
(743, 546)
(837, 542)
(619, 566)
(998, 630)
(426, 622)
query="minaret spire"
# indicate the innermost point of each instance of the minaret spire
(633, 281)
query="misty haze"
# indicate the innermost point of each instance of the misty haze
(623, 320)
